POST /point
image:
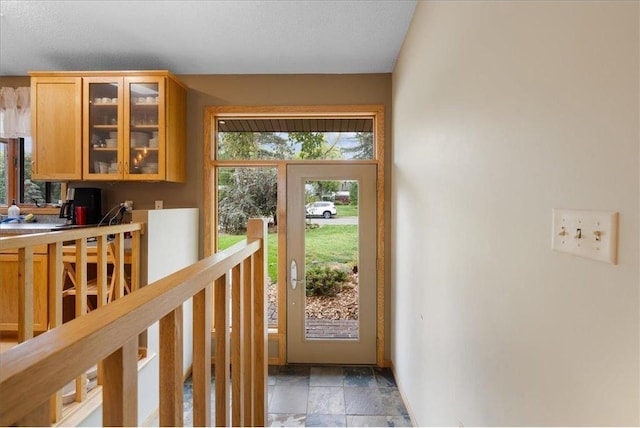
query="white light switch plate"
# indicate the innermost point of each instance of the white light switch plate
(590, 234)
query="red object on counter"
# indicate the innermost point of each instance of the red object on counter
(81, 215)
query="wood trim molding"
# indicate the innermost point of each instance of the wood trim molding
(375, 111)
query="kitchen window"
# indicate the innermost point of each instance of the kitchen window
(16, 183)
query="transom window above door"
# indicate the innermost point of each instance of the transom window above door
(295, 139)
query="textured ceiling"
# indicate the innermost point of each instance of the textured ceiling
(203, 36)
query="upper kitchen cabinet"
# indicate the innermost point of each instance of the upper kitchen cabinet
(56, 122)
(133, 126)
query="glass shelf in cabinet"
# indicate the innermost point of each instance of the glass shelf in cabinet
(142, 149)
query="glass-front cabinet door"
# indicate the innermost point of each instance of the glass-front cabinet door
(145, 118)
(103, 128)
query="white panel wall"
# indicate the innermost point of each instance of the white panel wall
(501, 112)
(170, 243)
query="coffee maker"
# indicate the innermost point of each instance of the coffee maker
(88, 197)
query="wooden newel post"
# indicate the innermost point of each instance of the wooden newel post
(257, 229)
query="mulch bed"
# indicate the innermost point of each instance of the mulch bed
(344, 306)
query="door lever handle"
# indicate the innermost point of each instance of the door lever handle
(293, 275)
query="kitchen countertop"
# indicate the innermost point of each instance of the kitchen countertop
(25, 228)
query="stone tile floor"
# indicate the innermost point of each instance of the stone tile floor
(328, 396)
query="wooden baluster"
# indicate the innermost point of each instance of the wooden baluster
(101, 279)
(81, 304)
(118, 266)
(237, 348)
(25, 294)
(202, 358)
(171, 383)
(248, 361)
(120, 386)
(221, 315)
(101, 284)
(135, 260)
(257, 229)
(55, 311)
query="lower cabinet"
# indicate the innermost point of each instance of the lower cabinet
(9, 291)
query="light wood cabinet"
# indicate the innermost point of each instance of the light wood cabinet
(56, 121)
(133, 126)
(9, 290)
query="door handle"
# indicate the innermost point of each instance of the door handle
(293, 275)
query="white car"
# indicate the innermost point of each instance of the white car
(321, 209)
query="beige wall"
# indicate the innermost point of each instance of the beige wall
(503, 111)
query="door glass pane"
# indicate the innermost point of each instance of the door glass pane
(332, 304)
(143, 154)
(245, 193)
(103, 123)
(295, 139)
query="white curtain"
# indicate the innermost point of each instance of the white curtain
(15, 112)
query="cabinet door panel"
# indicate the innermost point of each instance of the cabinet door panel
(144, 157)
(103, 128)
(9, 292)
(56, 127)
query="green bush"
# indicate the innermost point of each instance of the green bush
(325, 281)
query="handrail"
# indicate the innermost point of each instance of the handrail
(31, 240)
(34, 370)
(54, 242)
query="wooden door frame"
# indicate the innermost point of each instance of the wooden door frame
(375, 112)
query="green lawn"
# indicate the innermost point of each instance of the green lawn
(225, 241)
(332, 244)
(347, 210)
(325, 245)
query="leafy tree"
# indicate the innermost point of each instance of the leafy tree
(251, 192)
(364, 148)
(238, 145)
(313, 145)
(33, 192)
(253, 145)
(275, 146)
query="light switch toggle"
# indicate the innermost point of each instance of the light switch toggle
(594, 234)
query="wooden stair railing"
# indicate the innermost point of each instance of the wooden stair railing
(33, 371)
(103, 253)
